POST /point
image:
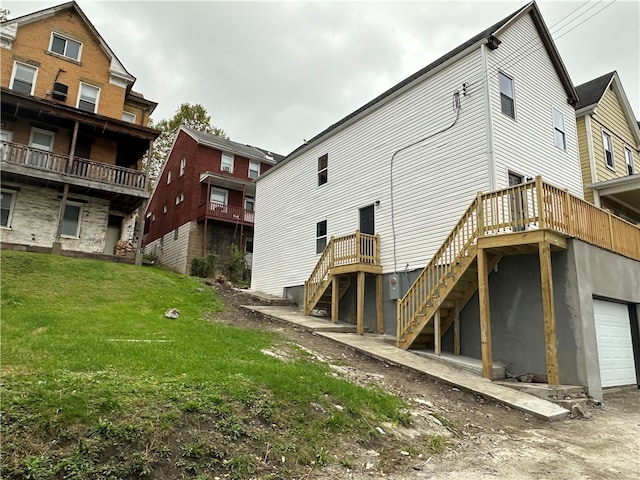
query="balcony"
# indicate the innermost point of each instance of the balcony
(32, 162)
(228, 213)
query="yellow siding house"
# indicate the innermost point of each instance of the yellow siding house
(609, 145)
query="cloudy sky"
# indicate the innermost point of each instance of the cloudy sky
(272, 74)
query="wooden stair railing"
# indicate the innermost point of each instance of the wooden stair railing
(349, 250)
(419, 304)
(534, 205)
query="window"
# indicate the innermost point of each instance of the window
(608, 150)
(628, 158)
(226, 164)
(180, 198)
(323, 163)
(71, 219)
(248, 245)
(88, 98)
(558, 130)
(147, 224)
(168, 177)
(5, 136)
(249, 204)
(164, 209)
(506, 95)
(129, 117)
(219, 196)
(7, 198)
(23, 78)
(41, 143)
(65, 47)
(321, 236)
(254, 169)
(183, 163)
(175, 234)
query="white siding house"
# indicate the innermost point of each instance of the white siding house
(469, 145)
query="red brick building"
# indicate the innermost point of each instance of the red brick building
(204, 199)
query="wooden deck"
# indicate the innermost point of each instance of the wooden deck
(534, 217)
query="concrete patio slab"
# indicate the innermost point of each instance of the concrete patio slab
(376, 347)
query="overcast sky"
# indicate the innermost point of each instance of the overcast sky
(272, 74)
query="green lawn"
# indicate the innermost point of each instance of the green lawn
(97, 383)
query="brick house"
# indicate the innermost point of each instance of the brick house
(204, 199)
(73, 136)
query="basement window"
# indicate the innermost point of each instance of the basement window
(321, 236)
(71, 219)
(7, 200)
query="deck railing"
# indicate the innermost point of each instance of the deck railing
(78, 168)
(530, 206)
(230, 213)
(350, 249)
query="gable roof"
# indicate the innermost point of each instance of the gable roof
(117, 69)
(225, 145)
(486, 36)
(591, 92)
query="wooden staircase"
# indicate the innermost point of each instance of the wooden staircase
(324, 302)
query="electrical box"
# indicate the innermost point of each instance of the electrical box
(394, 287)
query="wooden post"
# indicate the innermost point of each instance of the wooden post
(57, 246)
(354, 298)
(544, 250)
(331, 253)
(335, 298)
(436, 333)
(485, 318)
(480, 215)
(542, 222)
(306, 296)
(358, 246)
(72, 150)
(376, 261)
(456, 329)
(360, 308)
(568, 208)
(379, 306)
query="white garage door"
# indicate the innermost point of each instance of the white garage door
(615, 350)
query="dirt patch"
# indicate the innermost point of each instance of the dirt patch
(483, 439)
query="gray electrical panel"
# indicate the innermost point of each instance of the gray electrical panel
(394, 287)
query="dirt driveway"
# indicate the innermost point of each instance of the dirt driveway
(485, 440)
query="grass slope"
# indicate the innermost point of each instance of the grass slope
(97, 384)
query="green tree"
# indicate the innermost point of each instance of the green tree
(193, 116)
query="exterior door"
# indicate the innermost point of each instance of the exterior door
(517, 203)
(367, 220)
(5, 136)
(615, 347)
(41, 142)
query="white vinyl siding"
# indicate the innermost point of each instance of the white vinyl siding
(431, 191)
(524, 145)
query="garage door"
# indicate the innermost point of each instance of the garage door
(615, 350)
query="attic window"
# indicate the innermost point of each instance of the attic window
(65, 47)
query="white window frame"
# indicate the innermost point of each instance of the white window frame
(95, 106)
(321, 238)
(79, 220)
(13, 193)
(66, 39)
(38, 158)
(226, 160)
(183, 164)
(628, 159)
(248, 241)
(254, 167)
(607, 136)
(128, 117)
(179, 198)
(248, 199)
(164, 209)
(559, 128)
(26, 65)
(220, 191)
(512, 97)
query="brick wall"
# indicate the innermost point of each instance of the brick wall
(35, 219)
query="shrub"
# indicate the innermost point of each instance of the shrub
(204, 267)
(234, 269)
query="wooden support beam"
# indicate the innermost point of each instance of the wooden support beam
(485, 317)
(549, 313)
(354, 298)
(360, 307)
(436, 333)
(456, 329)
(335, 299)
(379, 305)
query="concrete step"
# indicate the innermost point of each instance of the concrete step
(467, 364)
(267, 299)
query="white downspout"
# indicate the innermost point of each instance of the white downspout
(491, 160)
